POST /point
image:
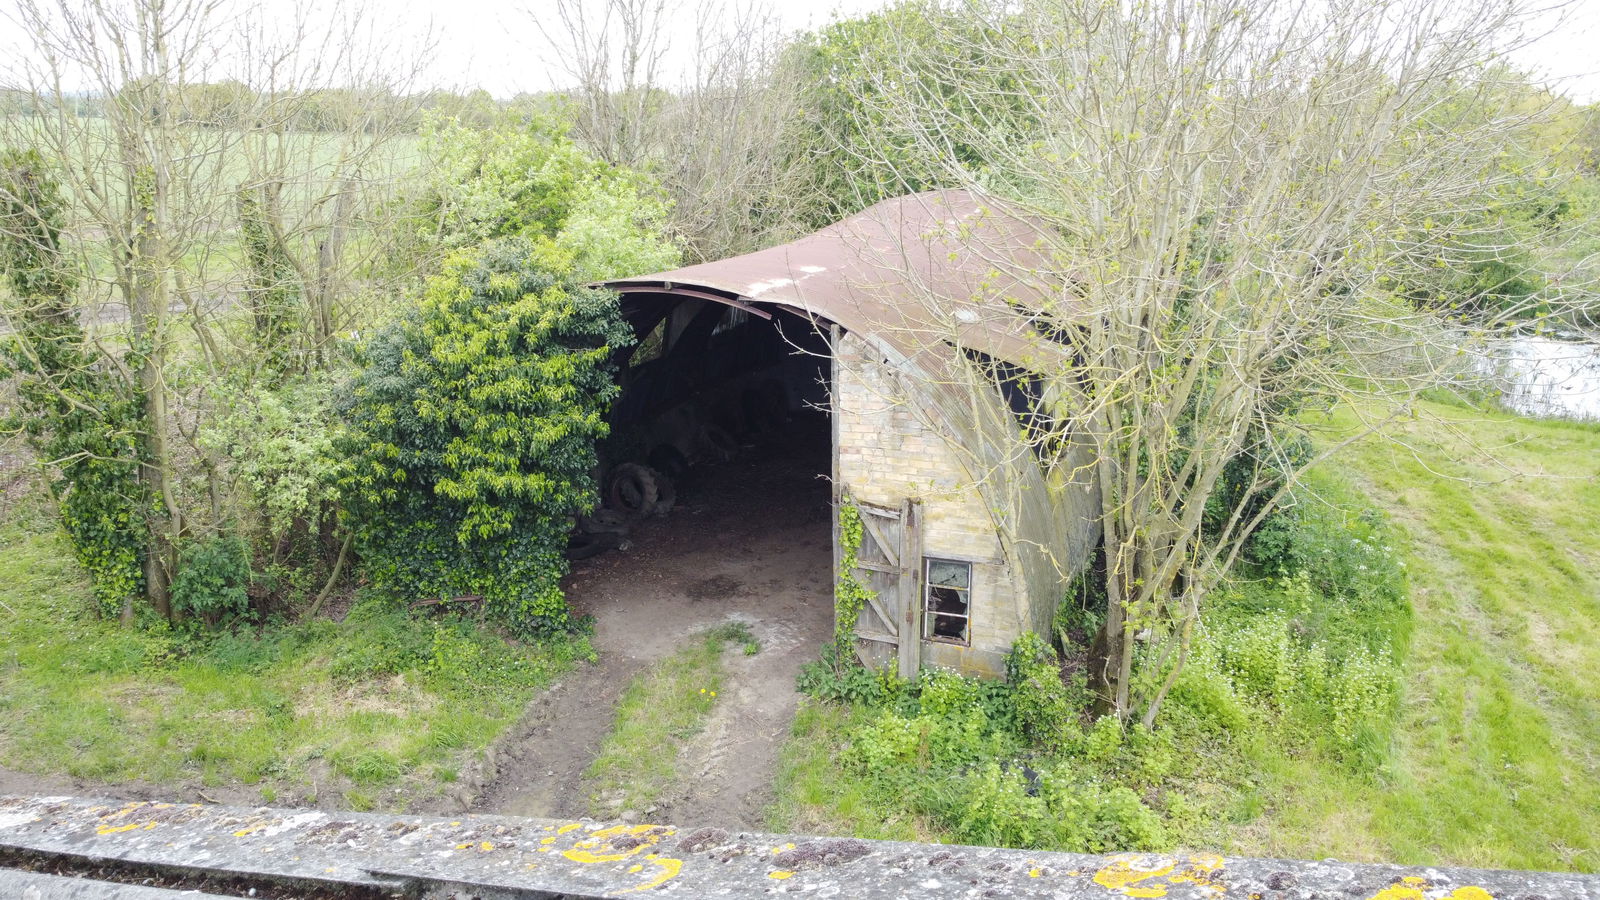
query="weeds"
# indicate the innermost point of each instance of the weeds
(1299, 663)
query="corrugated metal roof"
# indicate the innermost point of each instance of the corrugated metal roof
(917, 271)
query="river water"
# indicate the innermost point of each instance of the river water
(1547, 376)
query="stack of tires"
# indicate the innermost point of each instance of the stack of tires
(632, 492)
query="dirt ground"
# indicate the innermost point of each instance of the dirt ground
(748, 540)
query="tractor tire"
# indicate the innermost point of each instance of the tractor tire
(632, 491)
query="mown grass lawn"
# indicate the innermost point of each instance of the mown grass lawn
(378, 710)
(1496, 760)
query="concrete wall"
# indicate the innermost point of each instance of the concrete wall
(903, 434)
(111, 847)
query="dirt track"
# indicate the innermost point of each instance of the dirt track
(749, 542)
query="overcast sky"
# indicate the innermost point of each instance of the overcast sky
(495, 44)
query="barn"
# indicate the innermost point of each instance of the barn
(874, 326)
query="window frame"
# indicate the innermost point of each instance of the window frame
(929, 615)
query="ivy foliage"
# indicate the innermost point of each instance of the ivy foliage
(471, 433)
(851, 594)
(81, 420)
(272, 287)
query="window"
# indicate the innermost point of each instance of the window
(947, 601)
(652, 347)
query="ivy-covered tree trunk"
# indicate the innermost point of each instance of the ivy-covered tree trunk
(81, 419)
(271, 283)
(144, 282)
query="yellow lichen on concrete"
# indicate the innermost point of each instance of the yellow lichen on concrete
(1127, 876)
(118, 829)
(1132, 876)
(1202, 871)
(780, 874)
(1414, 888)
(607, 845)
(669, 870)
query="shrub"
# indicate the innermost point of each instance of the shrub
(529, 180)
(840, 680)
(1043, 705)
(888, 741)
(997, 809)
(213, 579)
(471, 435)
(280, 444)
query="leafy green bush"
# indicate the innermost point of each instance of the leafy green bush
(889, 741)
(841, 679)
(529, 181)
(280, 444)
(963, 752)
(1045, 708)
(213, 579)
(471, 433)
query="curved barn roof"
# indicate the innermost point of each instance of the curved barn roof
(916, 271)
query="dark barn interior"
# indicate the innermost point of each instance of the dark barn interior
(723, 406)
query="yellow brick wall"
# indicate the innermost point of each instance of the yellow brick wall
(888, 453)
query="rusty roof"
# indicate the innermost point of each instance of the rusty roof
(919, 271)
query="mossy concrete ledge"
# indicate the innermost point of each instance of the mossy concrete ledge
(112, 845)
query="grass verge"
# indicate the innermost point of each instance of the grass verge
(660, 711)
(1494, 760)
(377, 710)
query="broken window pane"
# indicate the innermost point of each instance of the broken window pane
(949, 574)
(947, 600)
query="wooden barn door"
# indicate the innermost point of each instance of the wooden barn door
(890, 625)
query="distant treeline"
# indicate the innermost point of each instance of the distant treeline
(231, 104)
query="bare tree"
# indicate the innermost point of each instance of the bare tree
(706, 118)
(199, 181)
(1240, 196)
(613, 53)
